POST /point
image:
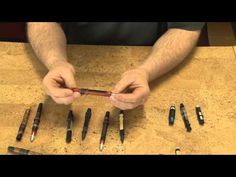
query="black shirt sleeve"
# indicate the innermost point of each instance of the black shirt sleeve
(190, 26)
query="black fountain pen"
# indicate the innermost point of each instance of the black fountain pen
(122, 131)
(36, 122)
(104, 131)
(70, 119)
(86, 123)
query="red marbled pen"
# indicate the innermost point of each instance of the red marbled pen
(84, 91)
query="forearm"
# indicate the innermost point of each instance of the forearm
(48, 42)
(169, 51)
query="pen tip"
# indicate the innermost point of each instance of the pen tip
(101, 146)
(32, 138)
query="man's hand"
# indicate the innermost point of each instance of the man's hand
(50, 48)
(135, 81)
(58, 81)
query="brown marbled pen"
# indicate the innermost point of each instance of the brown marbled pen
(84, 91)
(21, 151)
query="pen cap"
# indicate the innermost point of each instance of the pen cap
(88, 113)
(68, 136)
(198, 109)
(40, 107)
(107, 114)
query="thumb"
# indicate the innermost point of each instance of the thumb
(69, 79)
(122, 85)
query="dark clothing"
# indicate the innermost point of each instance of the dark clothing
(121, 33)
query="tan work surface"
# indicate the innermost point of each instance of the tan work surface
(207, 77)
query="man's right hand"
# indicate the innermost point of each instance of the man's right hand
(58, 81)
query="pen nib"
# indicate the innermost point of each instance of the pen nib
(101, 146)
(32, 137)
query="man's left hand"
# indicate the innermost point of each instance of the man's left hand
(136, 81)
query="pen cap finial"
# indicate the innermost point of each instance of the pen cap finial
(40, 107)
(107, 114)
(89, 111)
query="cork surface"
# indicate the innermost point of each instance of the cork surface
(207, 77)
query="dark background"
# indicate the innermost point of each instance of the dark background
(16, 32)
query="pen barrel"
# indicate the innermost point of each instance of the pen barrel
(185, 118)
(22, 128)
(86, 123)
(200, 115)
(87, 118)
(39, 110)
(172, 115)
(122, 135)
(36, 121)
(69, 125)
(23, 125)
(98, 93)
(68, 136)
(183, 112)
(122, 131)
(105, 126)
(20, 132)
(121, 121)
(70, 119)
(104, 130)
(70, 116)
(26, 116)
(35, 125)
(84, 91)
(186, 122)
(24, 152)
(34, 153)
(38, 115)
(21, 151)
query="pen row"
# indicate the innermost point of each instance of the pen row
(70, 119)
(184, 115)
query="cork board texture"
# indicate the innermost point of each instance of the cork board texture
(207, 77)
